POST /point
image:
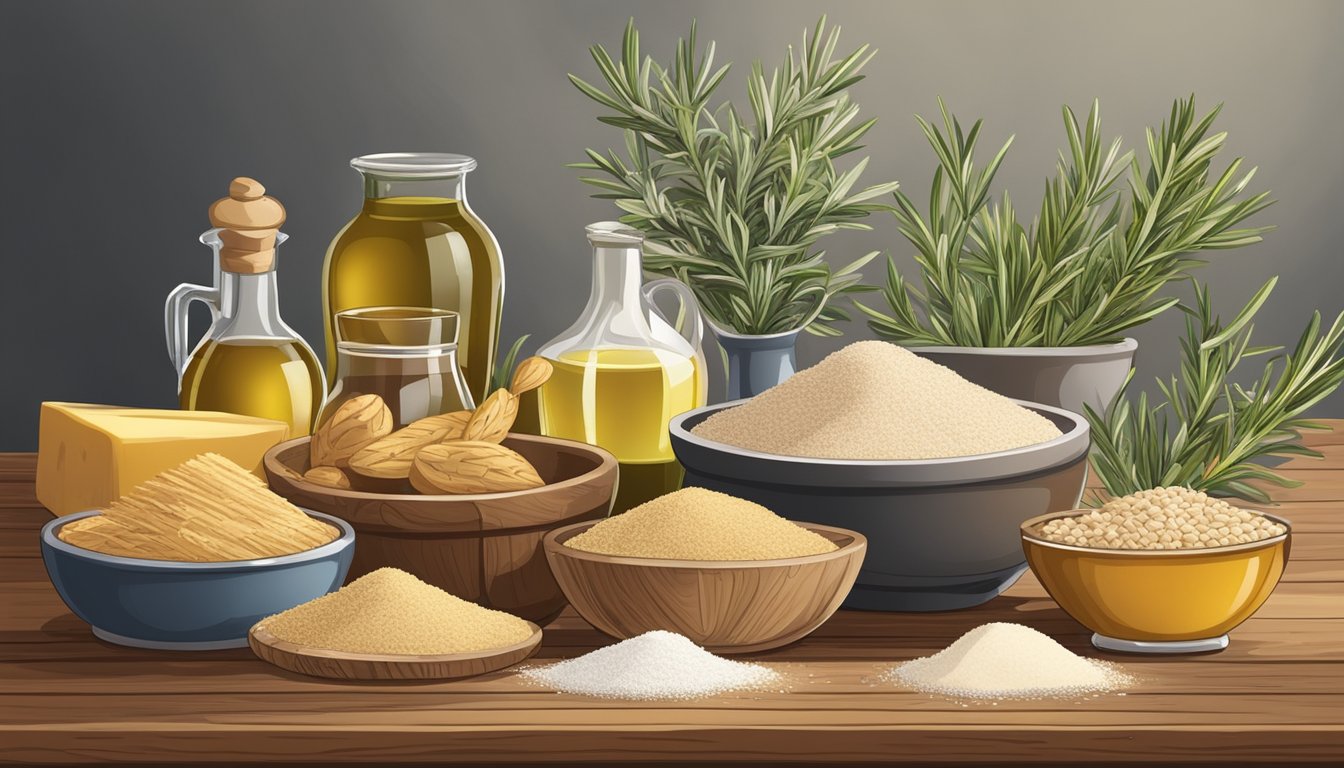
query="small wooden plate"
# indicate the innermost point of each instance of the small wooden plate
(321, 662)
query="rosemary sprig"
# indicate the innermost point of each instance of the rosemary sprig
(1208, 432)
(502, 376)
(1093, 263)
(733, 205)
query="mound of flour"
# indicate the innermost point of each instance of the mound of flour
(654, 665)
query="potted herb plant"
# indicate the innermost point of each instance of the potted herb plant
(1038, 311)
(733, 203)
(1208, 432)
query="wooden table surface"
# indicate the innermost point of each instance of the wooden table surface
(1276, 696)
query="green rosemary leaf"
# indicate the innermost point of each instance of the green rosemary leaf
(735, 207)
(502, 376)
(1221, 429)
(1123, 243)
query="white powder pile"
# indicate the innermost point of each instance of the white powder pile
(875, 400)
(1008, 661)
(654, 665)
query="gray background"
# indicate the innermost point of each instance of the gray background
(121, 122)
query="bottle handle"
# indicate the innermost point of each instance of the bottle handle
(688, 322)
(176, 321)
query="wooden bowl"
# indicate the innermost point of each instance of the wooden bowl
(323, 662)
(483, 547)
(725, 606)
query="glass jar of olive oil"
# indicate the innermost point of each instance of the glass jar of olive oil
(416, 243)
(249, 362)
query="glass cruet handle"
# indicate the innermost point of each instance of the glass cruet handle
(175, 321)
(688, 319)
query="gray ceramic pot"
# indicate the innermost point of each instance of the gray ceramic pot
(942, 534)
(756, 363)
(1064, 376)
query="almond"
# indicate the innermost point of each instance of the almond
(492, 420)
(530, 374)
(356, 423)
(390, 457)
(328, 476)
(471, 467)
(353, 424)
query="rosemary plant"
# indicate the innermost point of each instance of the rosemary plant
(1093, 262)
(1208, 432)
(732, 204)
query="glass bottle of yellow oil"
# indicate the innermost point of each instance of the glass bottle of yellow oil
(417, 243)
(619, 376)
(249, 362)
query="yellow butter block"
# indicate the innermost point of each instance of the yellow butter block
(90, 455)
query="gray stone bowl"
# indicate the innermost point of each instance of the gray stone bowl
(1067, 377)
(172, 605)
(943, 534)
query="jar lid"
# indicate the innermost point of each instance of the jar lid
(414, 165)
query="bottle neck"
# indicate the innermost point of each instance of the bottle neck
(378, 187)
(618, 274)
(250, 306)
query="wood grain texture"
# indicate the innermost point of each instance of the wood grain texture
(1273, 698)
(485, 548)
(725, 607)
(321, 662)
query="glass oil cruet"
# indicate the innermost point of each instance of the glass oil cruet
(405, 355)
(417, 243)
(622, 372)
(249, 362)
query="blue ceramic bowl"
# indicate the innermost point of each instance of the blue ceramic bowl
(170, 605)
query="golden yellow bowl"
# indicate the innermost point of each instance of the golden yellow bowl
(1157, 601)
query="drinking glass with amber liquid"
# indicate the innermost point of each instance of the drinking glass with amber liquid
(417, 243)
(405, 355)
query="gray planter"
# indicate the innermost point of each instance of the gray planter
(942, 533)
(756, 363)
(1064, 376)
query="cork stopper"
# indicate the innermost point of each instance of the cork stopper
(248, 222)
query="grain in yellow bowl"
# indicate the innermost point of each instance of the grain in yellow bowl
(1161, 600)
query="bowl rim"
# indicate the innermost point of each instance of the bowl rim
(51, 540)
(1028, 536)
(1124, 346)
(678, 430)
(606, 463)
(554, 540)
(532, 641)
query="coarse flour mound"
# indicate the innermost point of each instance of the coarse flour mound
(1008, 661)
(875, 400)
(389, 611)
(654, 665)
(700, 524)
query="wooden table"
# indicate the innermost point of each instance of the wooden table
(1275, 697)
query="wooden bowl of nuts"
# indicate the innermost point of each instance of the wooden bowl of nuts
(455, 499)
